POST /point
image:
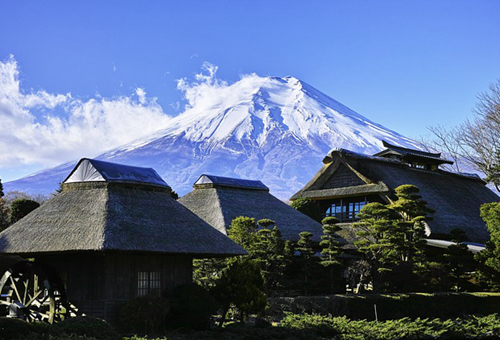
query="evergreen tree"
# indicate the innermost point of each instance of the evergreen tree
(407, 238)
(4, 210)
(241, 286)
(392, 237)
(20, 208)
(331, 249)
(459, 261)
(269, 250)
(489, 258)
(376, 222)
(307, 259)
(206, 272)
(243, 231)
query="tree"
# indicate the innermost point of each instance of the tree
(477, 141)
(307, 259)
(269, 251)
(4, 210)
(459, 261)
(331, 248)
(372, 231)
(243, 231)
(408, 238)
(489, 258)
(241, 286)
(307, 207)
(21, 208)
(392, 237)
(174, 195)
(206, 272)
(239, 283)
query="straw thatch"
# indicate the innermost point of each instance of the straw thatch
(456, 198)
(114, 216)
(218, 203)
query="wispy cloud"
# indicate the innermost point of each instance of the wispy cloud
(47, 129)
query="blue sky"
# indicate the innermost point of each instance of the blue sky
(404, 64)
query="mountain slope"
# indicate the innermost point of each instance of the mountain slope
(268, 128)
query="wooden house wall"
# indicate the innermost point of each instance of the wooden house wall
(99, 284)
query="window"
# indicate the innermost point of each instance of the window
(148, 283)
(346, 210)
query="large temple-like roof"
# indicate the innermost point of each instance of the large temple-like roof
(456, 198)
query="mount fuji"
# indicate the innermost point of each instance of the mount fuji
(276, 130)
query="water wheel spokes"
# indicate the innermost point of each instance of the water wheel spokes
(33, 292)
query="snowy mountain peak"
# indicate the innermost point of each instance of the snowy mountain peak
(265, 128)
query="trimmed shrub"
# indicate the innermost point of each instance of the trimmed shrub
(390, 306)
(405, 328)
(84, 326)
(144, 314)
(192, 307)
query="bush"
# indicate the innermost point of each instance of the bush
(14, 328)
(405, 328)
(144, 314)
(393, 306)
(192, 307)
(84, 326)
(20, 208)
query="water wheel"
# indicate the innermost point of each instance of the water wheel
(33, 292)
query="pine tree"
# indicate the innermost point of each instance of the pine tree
(241, 286)
(331, 248)
(307, 259)
(243, 231)
(392, 237)
(459, 261)
(206, 272)
(408, 236)
(489, 258)
(269, 250)
(376, 222)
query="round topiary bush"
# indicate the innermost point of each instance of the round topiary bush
(144, 314)
(86, 326)
(192, 307)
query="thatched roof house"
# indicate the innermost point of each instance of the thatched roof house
(349, 180)
(218, 200)
(115, 232)
(106, 206)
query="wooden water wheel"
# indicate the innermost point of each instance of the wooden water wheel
(33, 292)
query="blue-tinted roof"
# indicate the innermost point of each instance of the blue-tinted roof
(230, 182)
(92, 170)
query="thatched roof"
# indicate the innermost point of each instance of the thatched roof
(219, 203)
(115, 216)
(456, 198)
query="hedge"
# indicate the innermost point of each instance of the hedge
(389, 306)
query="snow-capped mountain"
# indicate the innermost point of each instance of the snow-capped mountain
(273, 129)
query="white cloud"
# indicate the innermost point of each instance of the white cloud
(204, 88)
(47, 129)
